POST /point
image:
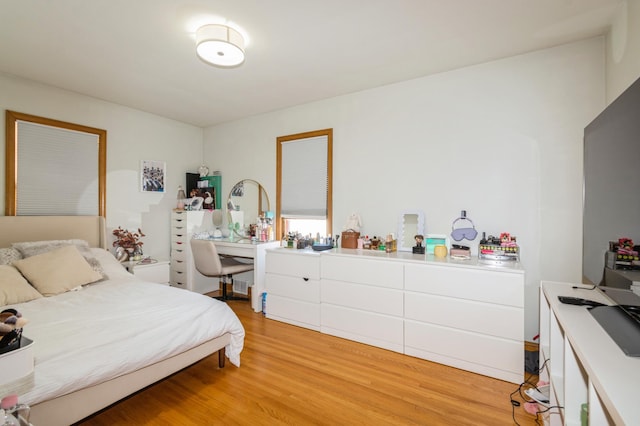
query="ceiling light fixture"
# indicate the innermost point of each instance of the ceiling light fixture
(220, 45)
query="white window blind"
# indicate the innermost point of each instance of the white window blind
(57, 171)
(304, 178)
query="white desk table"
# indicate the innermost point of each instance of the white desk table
(250, 250)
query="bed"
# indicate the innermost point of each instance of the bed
(100, 342)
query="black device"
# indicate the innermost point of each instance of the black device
(569, 300)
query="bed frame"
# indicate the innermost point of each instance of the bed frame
(75, 406)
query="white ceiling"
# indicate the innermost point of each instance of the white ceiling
(141, 53)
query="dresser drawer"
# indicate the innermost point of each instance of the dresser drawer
(292, 287)
(178, 276)
(303, 265)
(178, 284)
(369, 298)
(179, 255)
(362, 271)
(297, 312)
(179, 234)
(474, 352)
(178, 264)
(155, 273)
(498, 287)
(371, 328)
(495, 320)
(179, 245)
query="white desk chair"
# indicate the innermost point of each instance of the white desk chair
(210, 264)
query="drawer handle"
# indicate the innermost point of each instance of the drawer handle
(305, 278)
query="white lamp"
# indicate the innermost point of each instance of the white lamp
(220, 45)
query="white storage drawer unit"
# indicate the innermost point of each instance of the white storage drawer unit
(292, 283)
(183, 271)
(465, 317)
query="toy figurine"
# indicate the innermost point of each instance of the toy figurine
(418, 248)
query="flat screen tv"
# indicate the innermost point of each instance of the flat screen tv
(611, 181)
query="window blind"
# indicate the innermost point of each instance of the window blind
(304, 178)
(57, 171)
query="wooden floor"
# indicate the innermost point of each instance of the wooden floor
(293, 376)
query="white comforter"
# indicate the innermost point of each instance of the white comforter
(114, 327)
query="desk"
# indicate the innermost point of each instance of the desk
(250, 250)
(188, 224)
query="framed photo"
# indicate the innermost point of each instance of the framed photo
(152, 176)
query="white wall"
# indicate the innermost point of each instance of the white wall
(132, 136)
(623, 49)
(502, 140)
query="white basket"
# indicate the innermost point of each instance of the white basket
(17, 363)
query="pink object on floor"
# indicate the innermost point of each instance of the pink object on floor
(531, 407)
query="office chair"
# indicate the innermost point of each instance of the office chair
(210, 264)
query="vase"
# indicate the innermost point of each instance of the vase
(137, 253)
(122, 254)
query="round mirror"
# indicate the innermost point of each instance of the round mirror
(250, 198)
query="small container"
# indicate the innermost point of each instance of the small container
(350, 239)
(18, 362)
(440, 251)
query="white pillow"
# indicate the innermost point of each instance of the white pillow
(57, 271)
(32, 248)
(9, 255)
(14, 288)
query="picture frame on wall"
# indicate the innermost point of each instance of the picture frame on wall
(152, 176)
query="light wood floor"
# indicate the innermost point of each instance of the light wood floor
(293, 376)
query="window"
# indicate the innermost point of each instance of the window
(53, 167)
(304, 184)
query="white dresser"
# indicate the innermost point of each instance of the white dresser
(183, 272)
(459, 313)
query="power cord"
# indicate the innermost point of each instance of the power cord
(515, 403)
(592, 288)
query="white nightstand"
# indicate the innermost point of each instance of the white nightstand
(157, 272)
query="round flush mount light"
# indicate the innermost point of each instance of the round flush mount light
(220, 45)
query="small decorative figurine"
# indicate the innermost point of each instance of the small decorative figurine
(419, 248)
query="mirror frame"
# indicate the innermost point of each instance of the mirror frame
(401, 230)
(11, 159)
(262, 196)
(261, 191)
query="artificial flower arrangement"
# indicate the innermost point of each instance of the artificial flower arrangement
(127, 239)
(128, 244)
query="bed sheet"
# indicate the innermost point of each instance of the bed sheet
(115, 327)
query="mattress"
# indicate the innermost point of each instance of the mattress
(114, 327)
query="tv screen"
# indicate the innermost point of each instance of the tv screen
(611, 181)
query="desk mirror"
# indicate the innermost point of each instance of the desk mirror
(247, 201)
(410, 224)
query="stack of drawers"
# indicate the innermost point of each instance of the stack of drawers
(183, 272)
